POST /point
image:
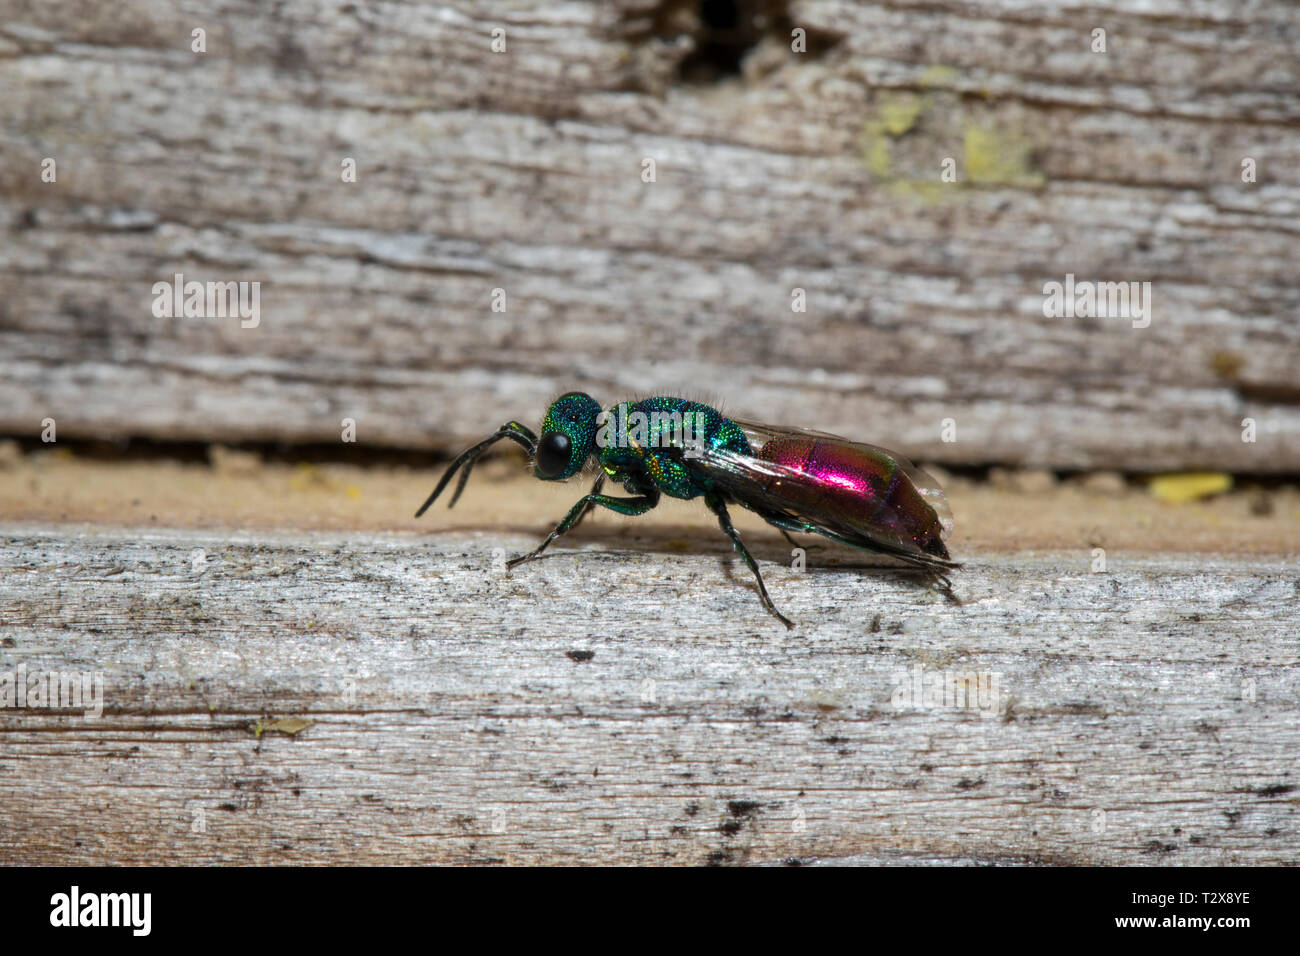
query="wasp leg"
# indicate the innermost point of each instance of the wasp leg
(624, 506)
(591, 505)
(801, 528)
(785, 524)
(719, 507)
(944, 586)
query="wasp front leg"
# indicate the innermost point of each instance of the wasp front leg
(625, 506)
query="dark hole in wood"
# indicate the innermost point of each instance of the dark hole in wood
(719, 14)
(725, 32)
(728, 30)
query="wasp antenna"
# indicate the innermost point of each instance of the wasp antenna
(514, 431)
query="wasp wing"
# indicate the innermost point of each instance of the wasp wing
(760, 434)
(798, 497)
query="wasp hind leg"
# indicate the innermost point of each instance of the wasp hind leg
(786, 526)
(943, 584)
(719, 507)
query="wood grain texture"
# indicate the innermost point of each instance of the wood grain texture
(522, 171)
(636, 705)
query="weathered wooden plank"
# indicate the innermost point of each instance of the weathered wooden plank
(522, 171)
(636, 705)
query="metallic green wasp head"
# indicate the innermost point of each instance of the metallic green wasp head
(568, 437)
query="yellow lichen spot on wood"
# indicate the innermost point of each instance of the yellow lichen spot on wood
(937, 76)
(926, 190)
(895, 116)
(1192, 486)
(999, 157)
(1227, 364)
(875, 148)
(898, 114)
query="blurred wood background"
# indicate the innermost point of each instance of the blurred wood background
(775, 170)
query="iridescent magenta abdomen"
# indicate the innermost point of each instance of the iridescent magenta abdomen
(869, 490)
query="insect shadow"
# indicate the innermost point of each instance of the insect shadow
(675, 540)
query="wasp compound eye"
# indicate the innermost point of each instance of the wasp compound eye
(553, 453)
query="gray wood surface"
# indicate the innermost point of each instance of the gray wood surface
(392, 698)
(522, 171)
